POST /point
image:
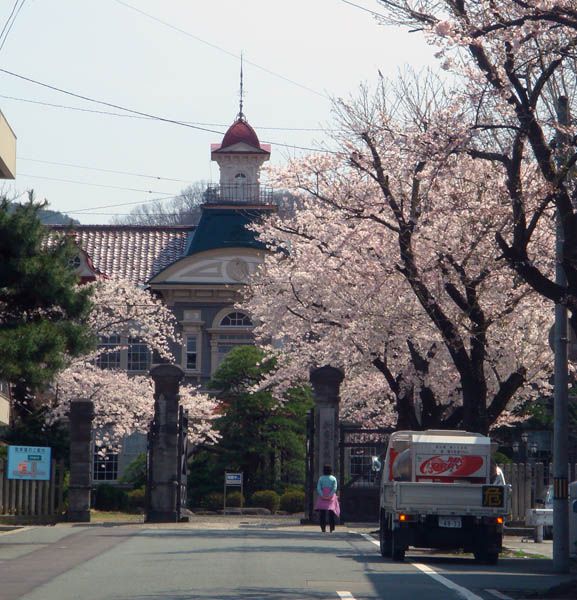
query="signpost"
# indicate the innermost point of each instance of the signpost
(29, 462)
(232, 480)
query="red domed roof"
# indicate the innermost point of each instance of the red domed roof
(240, 131)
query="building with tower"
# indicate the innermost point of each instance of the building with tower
(197, 270)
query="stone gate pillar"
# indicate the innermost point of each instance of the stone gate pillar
(81, 460)
(163, 454)
(326, 383)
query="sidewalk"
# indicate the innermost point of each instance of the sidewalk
(525, 545)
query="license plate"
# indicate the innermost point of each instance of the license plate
(453, 522)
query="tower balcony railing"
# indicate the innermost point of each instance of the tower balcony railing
(239, 193)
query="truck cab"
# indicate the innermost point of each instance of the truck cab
(441, 489)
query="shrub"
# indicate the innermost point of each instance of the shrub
(109, 497)
(266, 499)
(137, 499)
(293, 502)
(234, 499)
(212, 501)
(135, 472)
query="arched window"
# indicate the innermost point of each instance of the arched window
(236, 319)
(231, 329)
(240, 177)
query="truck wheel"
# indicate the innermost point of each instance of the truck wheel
(487, 558)
(397, 551)
(384, 540)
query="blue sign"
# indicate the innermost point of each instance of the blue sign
(29, 462)
(233, 478)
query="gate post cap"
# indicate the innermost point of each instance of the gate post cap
(82, 409)
(167, 371)
(326, 374)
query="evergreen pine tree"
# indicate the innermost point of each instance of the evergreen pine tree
(42, 311)
(260, 436)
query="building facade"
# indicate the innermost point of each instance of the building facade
(7, 171)
(197, 270)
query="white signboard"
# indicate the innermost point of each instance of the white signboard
(233, 479)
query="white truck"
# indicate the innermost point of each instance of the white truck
(439, 489)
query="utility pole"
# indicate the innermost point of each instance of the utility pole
(560, 406)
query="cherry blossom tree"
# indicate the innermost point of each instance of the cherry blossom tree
(516, 63)
(391, 268)
(124, 403)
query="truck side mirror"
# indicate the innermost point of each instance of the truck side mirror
(376, 464)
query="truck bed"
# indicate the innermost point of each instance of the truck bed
(446, 498)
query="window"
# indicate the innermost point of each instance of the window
(191, 363)
(232, 329)
(361, 463)
(110, 358)
(241, 177)
(227, 342)
(74, 262)
(105, 467)
(138, 355)
(236, 319)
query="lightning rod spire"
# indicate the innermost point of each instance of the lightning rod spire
(240, 113)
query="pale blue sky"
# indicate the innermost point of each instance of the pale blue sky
(105, 50)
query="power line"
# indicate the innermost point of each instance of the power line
(8, 19)
(11, 24)
(150, 116)
(102, 185)
(237, 56)
(50, 162)
(83, 210)
(372, 12)
(115, 114)
(104, 103)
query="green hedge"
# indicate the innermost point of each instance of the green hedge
(293, 502)
(233, 500)
(212, 501)
(266, 499)
(110, 497)
(137, 499)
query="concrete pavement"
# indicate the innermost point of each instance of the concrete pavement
(273, 558)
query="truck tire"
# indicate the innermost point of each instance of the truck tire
(397, 550)
(486, 557)
(384, 539)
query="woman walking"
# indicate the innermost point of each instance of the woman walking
(327, 501)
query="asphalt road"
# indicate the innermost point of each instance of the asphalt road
(244, 561)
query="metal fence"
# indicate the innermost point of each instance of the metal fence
(529, 482)
(239, 193)
(32, 501)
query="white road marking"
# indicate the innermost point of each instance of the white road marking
(10, 532)
(369, 538)
(346, 596)
(463, 592)
(499, 594)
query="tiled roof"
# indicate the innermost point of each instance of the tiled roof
(133, 252)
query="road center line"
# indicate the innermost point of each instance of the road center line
(463, 592)
(346, 596)
(499, 594)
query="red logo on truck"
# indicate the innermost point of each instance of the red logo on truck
(453, 466)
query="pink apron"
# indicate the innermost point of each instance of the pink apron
(328, 501)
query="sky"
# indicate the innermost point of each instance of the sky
(179, 60)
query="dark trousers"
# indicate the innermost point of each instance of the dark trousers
(323, 519)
